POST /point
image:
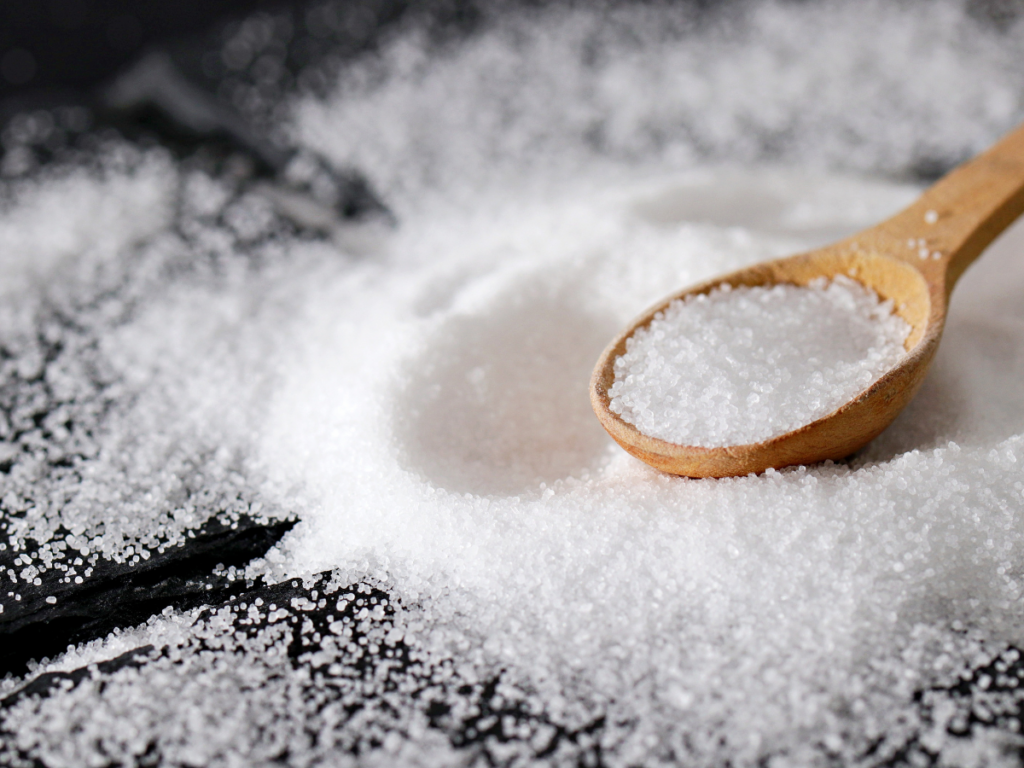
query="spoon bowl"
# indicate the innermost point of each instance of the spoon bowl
(913, 259)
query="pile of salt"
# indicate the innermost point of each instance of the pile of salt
(743, 365)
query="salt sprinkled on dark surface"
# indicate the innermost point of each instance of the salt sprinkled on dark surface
(475, 574)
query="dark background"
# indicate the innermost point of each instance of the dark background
(246, 55)
(51, 47)
(48, 46)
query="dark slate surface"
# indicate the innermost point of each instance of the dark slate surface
(118, 595)
(483, 721)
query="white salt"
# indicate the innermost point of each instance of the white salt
(737, 366)
(425, 413)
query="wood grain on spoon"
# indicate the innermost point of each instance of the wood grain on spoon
(949, 225)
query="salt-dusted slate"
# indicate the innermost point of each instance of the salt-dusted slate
(339, 654)
(47, 618)
(338, 658)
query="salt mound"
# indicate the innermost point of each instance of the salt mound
(740, 366)
(720, 619)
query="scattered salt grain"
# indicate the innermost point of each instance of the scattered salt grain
(742, 365)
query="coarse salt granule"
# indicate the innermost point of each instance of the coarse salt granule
(742, 365)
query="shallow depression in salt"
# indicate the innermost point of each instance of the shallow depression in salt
(432, 421)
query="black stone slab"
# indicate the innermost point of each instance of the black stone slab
(118, 595)
(482, 722)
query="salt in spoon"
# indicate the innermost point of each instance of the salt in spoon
(913, 259)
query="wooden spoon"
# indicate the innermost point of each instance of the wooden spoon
(914, 258)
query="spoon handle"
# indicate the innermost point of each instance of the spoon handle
(958, 216)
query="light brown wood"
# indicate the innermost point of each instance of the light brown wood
(952, 223)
